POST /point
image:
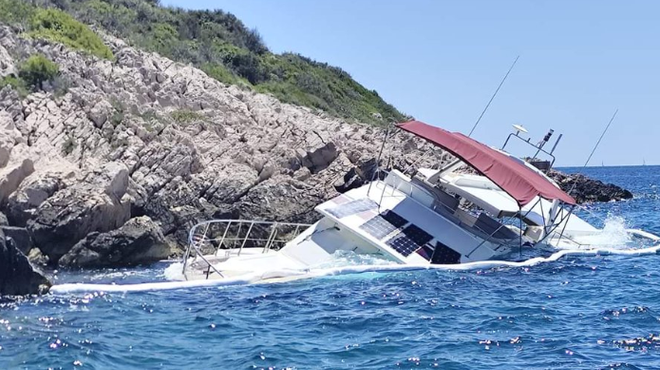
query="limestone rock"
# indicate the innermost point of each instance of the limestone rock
(320, 158)
(37, 258)
(12, 175)
(33, 191)
(100, 113)
(584, 189)
(177, 207)
(20, 237)
(17, 275)
(138, 241)
(112, 178)
(270, 200)
(72, 213)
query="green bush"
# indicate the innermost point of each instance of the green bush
(69, 145)
(117, 118)
(38, 69)
(33, 73)
(150, 115)
(118, 113)
(148, 126)
(186, 116)
(58, 26)
(15, 83)
(106, 15)
(218, 43)
(15, 11)
(220, 73)
(164, 37)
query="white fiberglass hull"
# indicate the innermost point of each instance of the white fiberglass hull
(345, 228)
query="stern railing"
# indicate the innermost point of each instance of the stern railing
(210, 238)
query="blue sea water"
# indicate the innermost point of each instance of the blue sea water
(581, 312)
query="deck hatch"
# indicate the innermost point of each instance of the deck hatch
(351, 208)
(411, 239)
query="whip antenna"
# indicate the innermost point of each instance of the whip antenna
(601, 138)
(493, 97)
(595, 147)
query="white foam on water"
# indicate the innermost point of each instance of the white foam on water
(286, 275)
(343, 258)
(614, 234)
(144, 287)
(174, 271)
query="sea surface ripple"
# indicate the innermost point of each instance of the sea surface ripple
(580, 312)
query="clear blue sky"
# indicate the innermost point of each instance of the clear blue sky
(440, 61)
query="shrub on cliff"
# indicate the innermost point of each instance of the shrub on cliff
(33, 73)
(38, 69)
(15, 83)
(54, 25)
(221, 45)
(15, 11)
(215, 41)
(186, 116)
(58, 26)
(220, 73)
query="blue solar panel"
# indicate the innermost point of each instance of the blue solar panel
(378, 227)
(411, 239)
(384, 224)
(444, 255)
(353, 207)
(403, 244)
(394, 218)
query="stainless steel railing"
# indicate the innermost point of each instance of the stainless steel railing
(210, 238)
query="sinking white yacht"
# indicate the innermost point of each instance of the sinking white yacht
(437, 216)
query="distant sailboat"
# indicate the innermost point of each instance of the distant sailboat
(643, 162)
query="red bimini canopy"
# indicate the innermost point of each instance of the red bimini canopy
(515, 178)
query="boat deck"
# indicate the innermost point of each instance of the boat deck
(406, 222)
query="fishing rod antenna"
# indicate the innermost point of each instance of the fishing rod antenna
(600, 138)
(595, 147)
(494, 95)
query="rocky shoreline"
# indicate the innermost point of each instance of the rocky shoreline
(586, 190)
(115, 170)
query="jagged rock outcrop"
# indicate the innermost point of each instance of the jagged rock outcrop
(138, 241)
(17, 275)
(20, 237)
(92, 205)
(584, 189)
(12, 175)
(34, 190)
